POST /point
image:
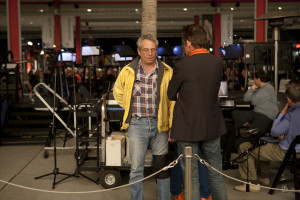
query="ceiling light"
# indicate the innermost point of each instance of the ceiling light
(279, 8)
(42, 52)
(29, 43)
(231, 8)
(137, 22)
(30, 22)
(89, 10)
(185, 9)
(41, 10)
(54, 45)
(136, 10)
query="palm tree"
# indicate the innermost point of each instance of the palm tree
(149, 17)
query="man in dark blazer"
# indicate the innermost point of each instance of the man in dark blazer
(197, 117)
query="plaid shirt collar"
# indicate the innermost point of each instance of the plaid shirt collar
(142, 70)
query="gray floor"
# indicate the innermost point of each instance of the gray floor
(21, 163)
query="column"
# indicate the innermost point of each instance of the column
(14, 28)
(217, 33)
(57, 26)
(260, 27)
(78, 40)
(196, 19)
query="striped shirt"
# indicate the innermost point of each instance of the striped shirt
(144, 93)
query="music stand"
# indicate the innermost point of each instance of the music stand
(53, 132)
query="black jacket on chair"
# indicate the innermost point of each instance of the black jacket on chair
(197, 114)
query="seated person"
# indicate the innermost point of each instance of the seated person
(286, 127)
(252, 124)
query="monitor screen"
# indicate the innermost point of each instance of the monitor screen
(223, 91)
(90, 50)
(119, 58)
(67, 57)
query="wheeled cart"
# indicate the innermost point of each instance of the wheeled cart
(114, 146)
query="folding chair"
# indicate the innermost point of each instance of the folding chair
(289, 158)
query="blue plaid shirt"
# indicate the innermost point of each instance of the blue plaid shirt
(144, 93)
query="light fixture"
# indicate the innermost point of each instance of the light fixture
(29, 43)
(136, 10)
(41, 10)
(137, 22)
(211, 49)
(279, 8)
(30, 23)
(42, 52)
(54, 45)
(231, 8)
(89, 10)
(185, 9)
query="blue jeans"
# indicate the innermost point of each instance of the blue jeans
(211, 152)
(177, 177)
(141, 133)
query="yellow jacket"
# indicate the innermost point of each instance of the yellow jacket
(123, 87)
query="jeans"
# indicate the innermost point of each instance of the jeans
(177, 177)
(141, 133)
(212, 154)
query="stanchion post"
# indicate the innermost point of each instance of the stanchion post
(188, 152)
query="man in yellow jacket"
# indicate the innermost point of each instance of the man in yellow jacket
(141, 89)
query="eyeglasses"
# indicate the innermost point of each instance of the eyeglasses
(146, 51)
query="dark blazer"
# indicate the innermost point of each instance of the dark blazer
(197, 114)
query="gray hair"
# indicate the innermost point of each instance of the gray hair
(146, 37)
(293, 91)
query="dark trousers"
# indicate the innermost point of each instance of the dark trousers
(227, 142)
(255, 120)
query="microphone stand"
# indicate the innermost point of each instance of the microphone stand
(246, 153)
(53, 131)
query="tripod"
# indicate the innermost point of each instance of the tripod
(53, 132)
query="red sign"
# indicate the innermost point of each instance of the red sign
(297, 46)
